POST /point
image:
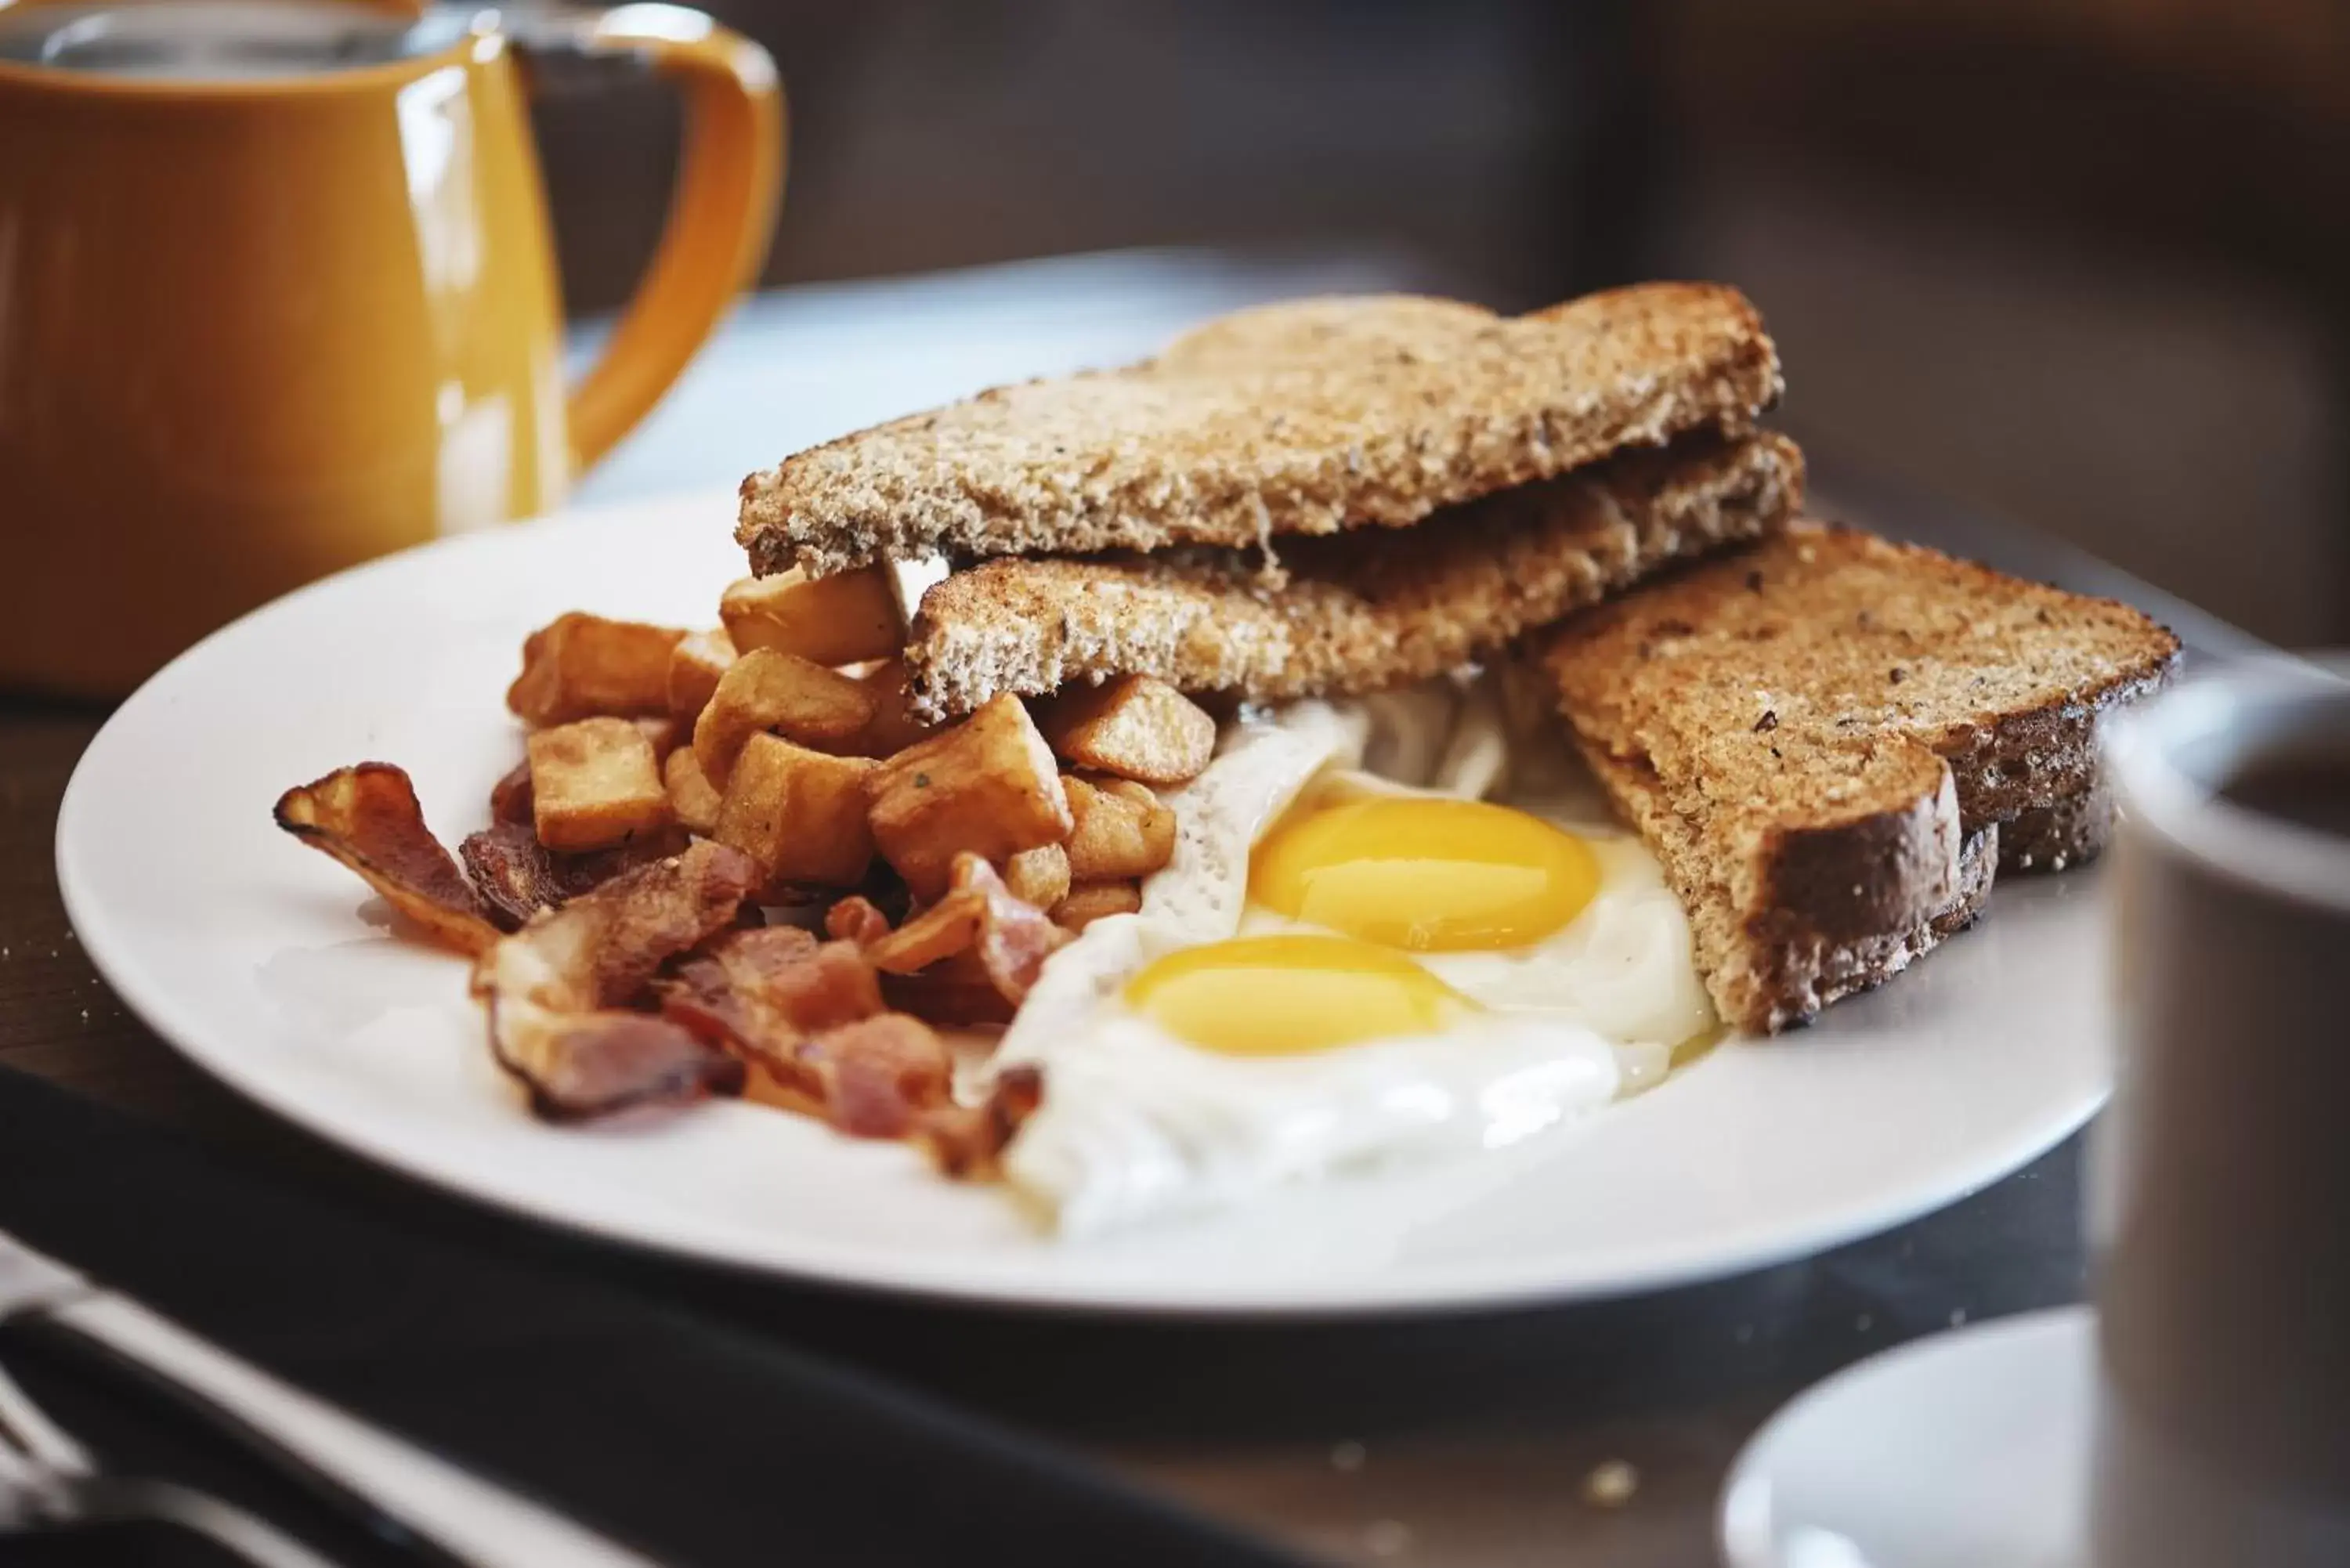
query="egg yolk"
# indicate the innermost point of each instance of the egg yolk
(1427, 875)
(1283, 995)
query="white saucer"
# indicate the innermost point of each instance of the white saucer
(1967, 1448)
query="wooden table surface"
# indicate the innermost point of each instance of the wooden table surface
(1467, 1440)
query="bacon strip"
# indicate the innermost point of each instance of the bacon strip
(368, 817)
(977, 912)
(811, 1014)
(588, 936)
(552, 988)
(513, 872)
(877, 1076)
(516, 876)
(579, 1065)
(512, 798)
(856, 919)
(967, 1142)
(762, 992)
(956, 991)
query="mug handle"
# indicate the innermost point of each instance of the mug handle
(730, 175)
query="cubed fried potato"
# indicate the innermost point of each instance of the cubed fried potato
(842, 619)
(800, 814)
(763, 690)
(1136, 727)
(691, 799)
(987, 786)
(1089, 901)
(580, 665)
(695, 665)
(594, 783)
(893, 726)
(1039, 877)
(664, 733)
(1120, 829)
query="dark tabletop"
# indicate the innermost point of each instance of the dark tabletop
(1466, 1440)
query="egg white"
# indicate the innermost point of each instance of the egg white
(1137, 1124)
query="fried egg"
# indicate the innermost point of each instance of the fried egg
(1354, 958)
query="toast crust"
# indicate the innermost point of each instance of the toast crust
(1812, 911)
(1832, 741)
(1355, 614)
(1297, 419)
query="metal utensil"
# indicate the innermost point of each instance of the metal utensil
(48, 1481)
(45, 1477)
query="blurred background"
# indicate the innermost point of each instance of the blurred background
(2083, 262)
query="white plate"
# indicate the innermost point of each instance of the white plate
(271, 967)
(1963, 1450)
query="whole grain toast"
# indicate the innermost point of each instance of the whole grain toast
(1357, 613)
(1831, 742)
(1302, 418)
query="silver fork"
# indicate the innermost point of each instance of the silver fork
(437, 1512)
(48, 1481)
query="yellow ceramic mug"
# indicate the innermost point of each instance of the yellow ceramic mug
(278, 295)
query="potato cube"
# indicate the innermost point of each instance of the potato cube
(1136, 727)
(1120, 829)
(691, 800)
(987, 786)
(664, 733)
(579, 666)
(843, 620)
(893, 726)
(763, 690)
(1089, 901)
(1038, 876)
(695, 665)
(594, 783)
(800, 814)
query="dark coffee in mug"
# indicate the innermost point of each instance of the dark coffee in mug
(2310, 789)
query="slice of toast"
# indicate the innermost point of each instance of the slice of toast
(1303, 418)
(1831, 742)
(1357, 613)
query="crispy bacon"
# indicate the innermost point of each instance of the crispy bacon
(956, 991)
(516, 876)
(877, 1076)
(645, 916)
(512, 870)
(947, 928)
(366, 817)
(856, 919)
(588, 936)
(762, 992)
(512, 798)
(1015, 937)
(551, 987)
(967, 1142)
(811, 1014)
(977, 913)
(579, 1065)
